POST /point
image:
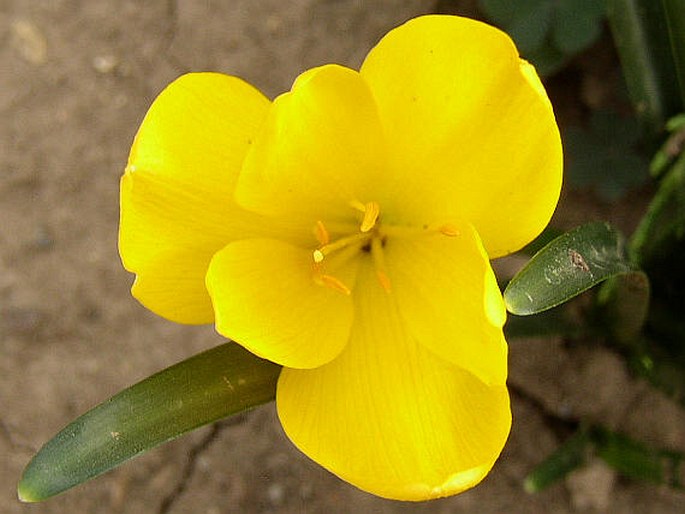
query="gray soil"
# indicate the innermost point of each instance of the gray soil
(76, 77)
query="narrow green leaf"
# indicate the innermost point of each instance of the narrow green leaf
(636, 460)
(663, 227)
(627, 456)
(651, 358)
(207, 387)
(569, 265)
(568, 457)
(672, 148)
(641, 37)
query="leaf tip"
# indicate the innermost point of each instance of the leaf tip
(531, 486)
(517, 303)
(31, 487)
(25, 493)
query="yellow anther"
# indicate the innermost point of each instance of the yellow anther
(333, 283)
(371, 212)
(449, 230)
(318, 256)
(322, 235)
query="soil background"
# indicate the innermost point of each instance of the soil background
(76, 77)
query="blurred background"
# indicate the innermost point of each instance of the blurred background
(76, 78)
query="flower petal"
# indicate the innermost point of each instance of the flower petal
(391, 417)
(449, 300)
(198, 131)
(470, 126)
(320, 148)
(265, 298)
(176, 193)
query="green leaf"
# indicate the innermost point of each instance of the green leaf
(604, 156)
(568, 457)
(530, 26)
(577, 24)
(548, 32)
(526, 21)
(547, 59)
(569, 265)
(200, 390)
(503, 11)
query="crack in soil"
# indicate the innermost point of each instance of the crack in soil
(193, 456)
(189, 469)
(172, 14)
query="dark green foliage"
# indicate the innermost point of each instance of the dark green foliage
(548, 32)
(604, 156)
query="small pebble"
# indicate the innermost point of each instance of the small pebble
(105, 63)
(276, 494)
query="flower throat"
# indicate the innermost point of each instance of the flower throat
(369, 238)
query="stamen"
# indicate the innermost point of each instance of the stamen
(379, 262)
(356, 204)
(322, 235)
(371, 212)
(333, 283)
(338, 244)
(398, 231)
(384, 280)
(449, 230)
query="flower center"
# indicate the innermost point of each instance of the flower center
(369, 237)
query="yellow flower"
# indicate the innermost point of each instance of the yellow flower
(344, 231)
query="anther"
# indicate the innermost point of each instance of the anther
(371, 212)
(334, 283)
(322, 235)
(449, 230)
(384, 280)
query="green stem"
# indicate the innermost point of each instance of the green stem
(641, 37)
(674, 11)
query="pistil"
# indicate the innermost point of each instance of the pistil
(370, 237)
